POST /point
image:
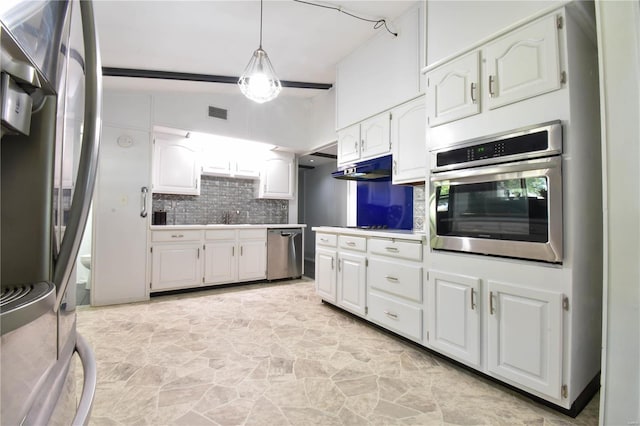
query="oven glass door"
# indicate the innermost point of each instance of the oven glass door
(507, 210)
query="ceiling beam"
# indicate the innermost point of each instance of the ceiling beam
(207, 78)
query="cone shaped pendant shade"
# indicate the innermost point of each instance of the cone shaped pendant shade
(259, 82)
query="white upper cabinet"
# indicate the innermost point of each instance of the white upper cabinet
(375, 136)
(227, 157)
(362, 141)
(176, 167)
(453, 90)
(408, 139)
(523, 63)
(518, 65)
(277, 179)
(349, 144)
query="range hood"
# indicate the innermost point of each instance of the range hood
(377, 169)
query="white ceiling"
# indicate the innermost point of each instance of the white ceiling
(218, 37)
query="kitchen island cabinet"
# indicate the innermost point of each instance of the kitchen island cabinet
(351, 283)
(373, 274)
(325, 273)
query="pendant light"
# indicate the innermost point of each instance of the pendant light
(259, 82)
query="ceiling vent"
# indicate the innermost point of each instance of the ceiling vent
(220, 113)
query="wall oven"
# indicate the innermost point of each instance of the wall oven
(500, 195)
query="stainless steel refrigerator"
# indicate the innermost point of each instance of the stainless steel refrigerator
(51, 103)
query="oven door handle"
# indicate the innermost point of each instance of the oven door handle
(500, 171)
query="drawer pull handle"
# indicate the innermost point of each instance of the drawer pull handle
(177, 236)
(324, 240)
(391, 314)
(391, 249)
(492, 310)
(350, 243)
(390, 278)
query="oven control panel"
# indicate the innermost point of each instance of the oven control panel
(522, 144)
(541, 140)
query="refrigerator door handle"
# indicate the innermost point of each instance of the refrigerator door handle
(89, 369)
(144, 191)
(88, 166)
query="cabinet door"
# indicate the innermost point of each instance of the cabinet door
(326, 274)
(220, 262)
(216, 164)
(175, 266)
(409, 141)
(252, 263)
(525, 336)
(351, 282)
(375, 134)
(246, 165)
(454, 316)
(278, 179)
(452, 90)
(176, 167)
(523, 63)
(349, 144)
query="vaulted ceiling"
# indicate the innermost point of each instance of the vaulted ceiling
(218, 37)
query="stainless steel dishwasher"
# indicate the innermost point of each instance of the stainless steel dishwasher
(284, 253)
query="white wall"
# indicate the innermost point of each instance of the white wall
(322, 128)
(453, 26)
(619, 55)
(383, 72)
(284, 121)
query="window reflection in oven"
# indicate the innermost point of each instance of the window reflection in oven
(510, 209)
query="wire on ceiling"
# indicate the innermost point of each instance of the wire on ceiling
(377, 22)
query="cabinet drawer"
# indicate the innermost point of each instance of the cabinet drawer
(400, 279)
(352, 243)
(396, 316)
(402, 249)
(220, 234)
(252, 234)
(176, 235)
(329, 240)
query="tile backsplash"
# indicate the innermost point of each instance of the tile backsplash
(221, 200)
(419, 208)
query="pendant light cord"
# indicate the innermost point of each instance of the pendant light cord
(260, 24)
(377, 22)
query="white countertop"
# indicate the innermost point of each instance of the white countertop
(230, 226)
(382, 233)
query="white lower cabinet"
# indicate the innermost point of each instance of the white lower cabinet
(454, 316)
(376, 278)
(396, 315)
(252, 263)
(351, 282)
(326, 274)
(220, 260)
(175, 266)
(525, 337)
(235, 256)
(192, 258)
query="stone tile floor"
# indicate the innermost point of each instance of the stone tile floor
(273, 354)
